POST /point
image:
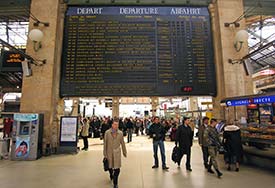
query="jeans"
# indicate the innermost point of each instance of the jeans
(129, 132)
(159, 143)
(205, 154)
(85, 140)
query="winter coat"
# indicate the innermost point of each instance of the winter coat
(129, 124)
(85, 129)
(112, 149)
(211, 136)
(7, 126)
(184, 136)
(202, 141)
(157, 132)
(104, 127)
(233, 144)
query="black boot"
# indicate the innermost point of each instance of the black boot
(115, 180)
(111, 174)
(219, 174)
(228, 168)
(210, 171)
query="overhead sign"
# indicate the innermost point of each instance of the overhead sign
(137, 51)
(247, 101)
(11, 61)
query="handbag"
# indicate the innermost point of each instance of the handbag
(175, 154)
(105, 164)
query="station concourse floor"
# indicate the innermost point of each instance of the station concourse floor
(85, 170)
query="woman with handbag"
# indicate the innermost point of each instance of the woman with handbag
(233, 146)
(113, 139)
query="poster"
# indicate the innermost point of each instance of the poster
(22, 148)
(68, 129)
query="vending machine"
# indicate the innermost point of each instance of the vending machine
(27, 136)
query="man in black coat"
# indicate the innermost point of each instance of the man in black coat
(130, 127)
(184, 137)
(157, 132)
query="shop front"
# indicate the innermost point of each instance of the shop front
(257, 128)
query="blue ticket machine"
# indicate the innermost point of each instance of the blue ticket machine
(27, 136)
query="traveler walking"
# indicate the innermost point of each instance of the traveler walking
(184, 137)
(213, 143)
(113, 139)
(202, 141)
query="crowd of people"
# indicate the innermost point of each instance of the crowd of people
(211, 140)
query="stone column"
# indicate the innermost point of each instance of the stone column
(193, 103)
(115, 107)
(75, 107)
(40, 92)
(154, 103)
(231, 79)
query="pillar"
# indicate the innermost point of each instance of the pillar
(231, 78)
(115, 107)
(75, 110)
(40, 92)
(193, 103)
(154, 103)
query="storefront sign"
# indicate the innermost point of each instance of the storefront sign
(247, 101)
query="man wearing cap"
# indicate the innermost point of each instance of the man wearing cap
(184, 137)
(202, 141)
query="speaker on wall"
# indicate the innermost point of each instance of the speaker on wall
(26, 68)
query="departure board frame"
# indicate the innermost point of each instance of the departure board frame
(137, 51)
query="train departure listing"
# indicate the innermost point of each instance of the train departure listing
(137, 51)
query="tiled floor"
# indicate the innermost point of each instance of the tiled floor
(85, 170)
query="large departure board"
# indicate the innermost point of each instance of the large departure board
(137, 51)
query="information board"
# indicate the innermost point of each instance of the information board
(137, 51)
(68, 132)
(10, 61)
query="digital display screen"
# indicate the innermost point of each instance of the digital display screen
(137, 51)
(11, 61)
(24, 129)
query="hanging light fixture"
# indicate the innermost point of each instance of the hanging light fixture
(36, 36)
(240, 38)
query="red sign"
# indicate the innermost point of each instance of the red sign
(187, 89)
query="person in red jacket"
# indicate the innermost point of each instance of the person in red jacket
(7, 127)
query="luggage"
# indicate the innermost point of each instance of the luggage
(105, 164)
(176, 154)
